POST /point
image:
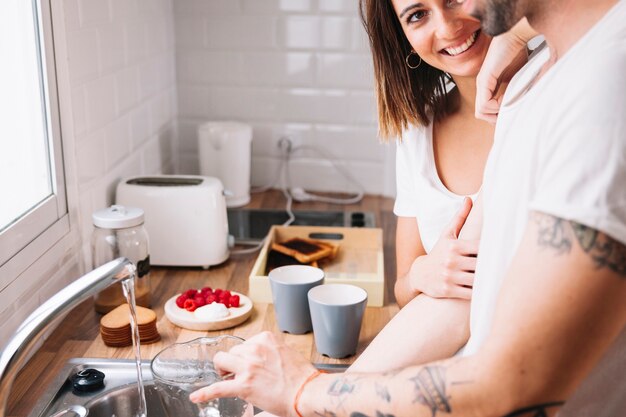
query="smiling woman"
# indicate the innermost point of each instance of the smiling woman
(31, 170)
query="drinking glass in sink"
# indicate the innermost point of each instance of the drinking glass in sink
(182, 368)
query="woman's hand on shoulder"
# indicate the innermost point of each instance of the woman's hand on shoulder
(506, 55)
(448, 270)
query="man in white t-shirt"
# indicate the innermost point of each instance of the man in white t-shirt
(548, 310)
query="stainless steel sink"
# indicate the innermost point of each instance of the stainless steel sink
(119, 397)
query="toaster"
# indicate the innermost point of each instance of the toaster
(185, 217)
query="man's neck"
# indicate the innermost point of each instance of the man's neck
(564, 22)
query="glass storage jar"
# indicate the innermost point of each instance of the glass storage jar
(119, 231)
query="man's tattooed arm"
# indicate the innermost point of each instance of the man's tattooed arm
(560, 235)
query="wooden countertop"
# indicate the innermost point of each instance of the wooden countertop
(78, 335)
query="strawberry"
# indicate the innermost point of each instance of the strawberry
(234, 300)
(180, 300)
(190, 305)
(199, 300)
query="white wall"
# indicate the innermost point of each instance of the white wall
(296, 67)
(117, 94)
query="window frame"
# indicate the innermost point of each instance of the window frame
(36, 232)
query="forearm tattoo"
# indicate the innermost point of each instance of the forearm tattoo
(383, 392)
(539, 410)
(430, 387)
(560, 234)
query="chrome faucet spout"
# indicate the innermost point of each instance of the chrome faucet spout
(26, 338)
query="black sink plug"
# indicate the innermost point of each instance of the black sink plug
(86, 381)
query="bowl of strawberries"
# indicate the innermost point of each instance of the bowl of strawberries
(208, 309)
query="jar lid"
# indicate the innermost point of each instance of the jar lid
(118, 217)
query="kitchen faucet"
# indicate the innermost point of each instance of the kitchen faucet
(26, 338)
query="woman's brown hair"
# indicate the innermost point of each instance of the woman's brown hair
(405, 96)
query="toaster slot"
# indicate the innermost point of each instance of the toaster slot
(165, 181)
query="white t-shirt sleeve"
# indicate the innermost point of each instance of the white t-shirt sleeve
(407, 203)
(589, 190)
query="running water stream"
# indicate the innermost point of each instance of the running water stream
(129, 291)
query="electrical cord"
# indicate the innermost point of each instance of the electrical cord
(282, 169)
(299, 194)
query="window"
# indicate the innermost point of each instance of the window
(33, 208)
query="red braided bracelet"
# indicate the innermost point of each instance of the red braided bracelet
(299, 393)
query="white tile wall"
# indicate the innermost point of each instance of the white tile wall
(139, 76)
(116, 66)
(295, 67)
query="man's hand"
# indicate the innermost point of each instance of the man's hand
(267, 373)
(506, 55)
(448, 270)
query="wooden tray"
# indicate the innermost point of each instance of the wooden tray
(358, 262)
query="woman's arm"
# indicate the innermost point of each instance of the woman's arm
(408, 248)
(427, 328)
(448, 270)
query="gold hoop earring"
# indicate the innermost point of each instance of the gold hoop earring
(409, 56)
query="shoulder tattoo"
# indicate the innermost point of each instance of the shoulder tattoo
(560, 235)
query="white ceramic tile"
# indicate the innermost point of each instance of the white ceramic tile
(79, 110)
(122, 10)
(82, 49)
(189, 164)
(301, 105)
(299, 32)
(349, 142)
(117, 142)
(127, 85)
(360, 40)
(71, 15)
(240, 31)
(193, 101)
(135, 41)
(345, 70)
(334, 6)
(151, 156)
(191, 32)
(265, 137)
(188, 136)
(336, 32)
(140, 124)
(94, 12)
(316, 175)
(209, 67)
(195, 7)
(272, 7)
(160, 111)
(111, 47)
(90, 158)
(149, 75)
(100, 101)
(245, 104)
(333, 106)
(157, 33)
(278, 69)
(362, 108)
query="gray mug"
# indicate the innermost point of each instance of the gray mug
(337, 313)
(290, 285)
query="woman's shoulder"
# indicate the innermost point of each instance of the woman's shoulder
(416, 136)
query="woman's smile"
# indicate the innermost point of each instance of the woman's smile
(463, 46)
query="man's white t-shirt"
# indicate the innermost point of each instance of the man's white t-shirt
(560, 149)
(420, 191)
